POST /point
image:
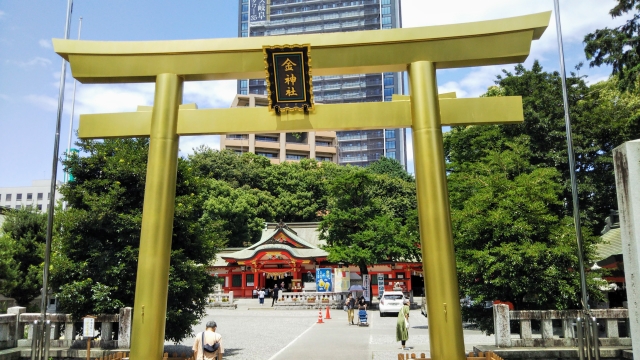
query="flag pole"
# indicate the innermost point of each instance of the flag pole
(73, 106)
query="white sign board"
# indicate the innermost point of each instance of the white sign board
(380, 284)
(88, 327)
(366, 285)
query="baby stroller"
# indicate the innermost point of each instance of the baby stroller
(362, 318)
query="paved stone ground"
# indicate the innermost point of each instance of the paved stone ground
(293, 334)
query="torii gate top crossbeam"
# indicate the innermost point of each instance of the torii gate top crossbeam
(481, 43)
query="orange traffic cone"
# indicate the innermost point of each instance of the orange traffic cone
(328, 316)
(320, 317)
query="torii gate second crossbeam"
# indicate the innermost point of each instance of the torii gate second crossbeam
(420, 51)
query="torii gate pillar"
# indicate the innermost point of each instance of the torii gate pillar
(436, 239)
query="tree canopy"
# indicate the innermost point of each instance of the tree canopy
(618, 47)
(96, 252)
(510, 190)
(22, 240)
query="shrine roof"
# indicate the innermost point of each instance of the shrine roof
(272, 239)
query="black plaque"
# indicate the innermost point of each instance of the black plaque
(288, 73)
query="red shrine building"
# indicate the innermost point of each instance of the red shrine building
(290, 254)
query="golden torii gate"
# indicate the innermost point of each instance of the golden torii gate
(420, 51)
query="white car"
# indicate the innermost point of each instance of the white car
(391, 302)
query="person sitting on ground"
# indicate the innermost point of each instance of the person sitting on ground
(208, 337)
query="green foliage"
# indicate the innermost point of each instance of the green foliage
(390, 167)
(95, 255)
(510, 190)
(367, 224)
(619, 46)
(22, 249)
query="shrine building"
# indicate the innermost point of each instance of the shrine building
(291, 253)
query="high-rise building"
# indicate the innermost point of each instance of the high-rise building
(280, 147)
(36, 196)
(279, 17)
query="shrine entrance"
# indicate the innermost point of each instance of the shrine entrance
(419, 51)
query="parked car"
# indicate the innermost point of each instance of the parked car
(391, 302)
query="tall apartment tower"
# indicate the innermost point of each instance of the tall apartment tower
(279, 17)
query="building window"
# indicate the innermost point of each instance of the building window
(249, 279)
(391, 154)
(29, 196)
(40, 196)
(48, 196)
(295, 157)
(390, 133)
(245, 26)
(18, 207)
(386, 20)
(388, 92)
(388, 81)
(245, 17)
(268, 155)
(236, 280)
(245, 8)
(18, 197)
(386, 10)
(243, 92)
(7, 197)
(384, 27)
(39, 207)
(323, 158)
(391, 144)
(386, 2)
(29, 207)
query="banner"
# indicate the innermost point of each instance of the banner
(342, 280)
(380, 284)
(323, 280)
(366, 285)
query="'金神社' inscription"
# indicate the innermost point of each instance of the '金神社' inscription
(288, 77)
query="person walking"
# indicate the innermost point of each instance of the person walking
(208, 337)
(402, 325)
(275, 295)
(261, 296)
(350, 304)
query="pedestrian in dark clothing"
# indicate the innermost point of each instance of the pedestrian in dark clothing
(275, 294)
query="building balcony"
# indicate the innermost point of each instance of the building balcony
(326, 149)
(353, 159)
(298, 147)
(267, 145)
(352, 137)
(352, 148)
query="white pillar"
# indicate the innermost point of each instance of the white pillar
(502, 325)
(626, 159)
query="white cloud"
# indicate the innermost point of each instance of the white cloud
(188, 143)
(42, 101)
(210, 94)
(2, 14)
(579, 17)
(5, 97)
(45, 43)
(36, 61)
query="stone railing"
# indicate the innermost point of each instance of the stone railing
(312, 299)
(63, 329)
(221, 300)
(502, 318)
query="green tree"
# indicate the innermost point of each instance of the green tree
(23, 240)
(511, 244)
(390, 167)
(619, 46)
(96, 252)
(359, 229)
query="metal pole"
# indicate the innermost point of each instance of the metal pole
(580, 329)
(572, 165)
(54, 173)
(73, 106)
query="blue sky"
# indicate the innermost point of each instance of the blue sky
(30, 70)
